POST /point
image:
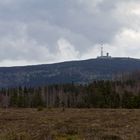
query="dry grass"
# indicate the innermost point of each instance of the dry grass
(73, 124)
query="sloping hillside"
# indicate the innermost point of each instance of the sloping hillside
(67, 72)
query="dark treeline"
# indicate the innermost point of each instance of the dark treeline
(99, 94)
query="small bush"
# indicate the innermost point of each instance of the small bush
(40, 108)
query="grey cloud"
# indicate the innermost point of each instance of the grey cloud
(32, 31)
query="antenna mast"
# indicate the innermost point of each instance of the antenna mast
(102, 52)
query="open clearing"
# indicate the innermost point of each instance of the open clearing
(71, 124)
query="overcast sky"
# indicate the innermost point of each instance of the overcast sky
(48, 31)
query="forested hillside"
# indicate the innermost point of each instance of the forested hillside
(81, 72)
(98, 94)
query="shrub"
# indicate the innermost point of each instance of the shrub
(40, 108)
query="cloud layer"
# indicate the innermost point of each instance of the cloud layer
(44, 31)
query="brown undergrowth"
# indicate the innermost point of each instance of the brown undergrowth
(71, 124)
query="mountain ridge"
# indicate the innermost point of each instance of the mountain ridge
(61, 62)
(82, 71)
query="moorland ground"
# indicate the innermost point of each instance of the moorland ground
(69, 124)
